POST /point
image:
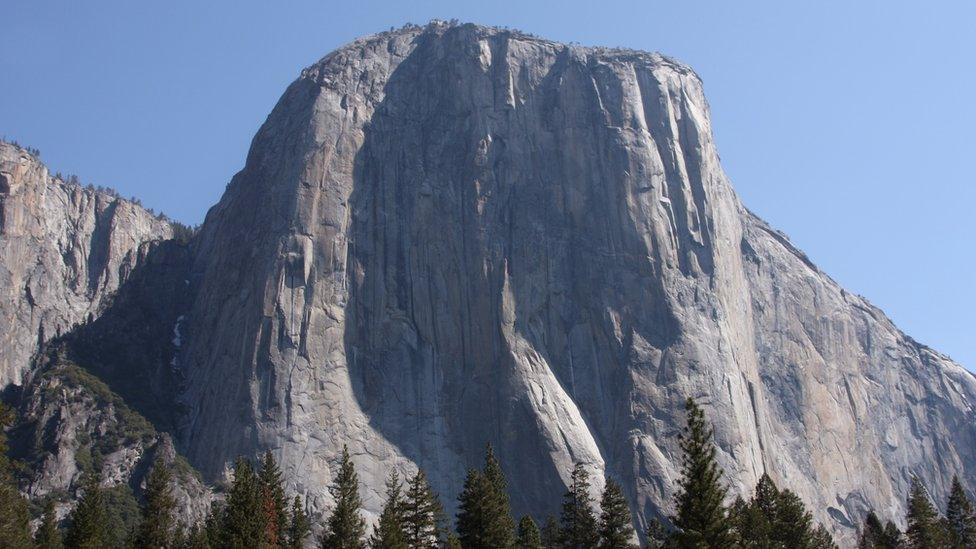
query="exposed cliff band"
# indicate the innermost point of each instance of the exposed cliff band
(64, 251)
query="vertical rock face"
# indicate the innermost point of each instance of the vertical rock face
(64, 251)
(91, 270)
(453, 235)
(450, 236)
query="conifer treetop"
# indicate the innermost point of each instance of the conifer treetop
(346, 528)
(701, 518)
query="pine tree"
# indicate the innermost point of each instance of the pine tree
(14, 518)
(774, 518)
(212, 531)
(484, 516)
(616, 529)
(579, 526)
(702, 519)
(892, 536)
(657, 534)
(871, 531)
(528, 536)
(242, 524)
(181, 537)
(421, 513)
(500, 526)
(48, 536)
(88, 520)
(452, 542)
(273, 502)
(273, 534)
(757, 524)
(766, 497)
(743, 518)
(550, 533)
(793, 524)
(346, 528)
(158, 521)
(924, 528)
(821, 539)
(196, 538)
(389, 532)
(960, 517)
(473, 513)
(122, 514)
(14, 513)
(299, 526)
(874, 535)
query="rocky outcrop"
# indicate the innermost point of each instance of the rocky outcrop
(89, 277)
(64, 251)
(849, 407)
(71, 423)
(455, 235)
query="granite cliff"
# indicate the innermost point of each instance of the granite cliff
(453, 235)
(91, 286)
(64, 251)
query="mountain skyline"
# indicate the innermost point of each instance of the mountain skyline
(868, 188)
(453, 235)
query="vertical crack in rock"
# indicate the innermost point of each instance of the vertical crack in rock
(755, 415)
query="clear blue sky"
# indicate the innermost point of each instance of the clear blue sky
(848, 125)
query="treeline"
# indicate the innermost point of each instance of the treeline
(182, 232)
(257, 514)
(926, 527)
(36, 153)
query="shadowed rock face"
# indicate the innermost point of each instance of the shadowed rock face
(64, 251)
(87, 274)
(454, 235)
